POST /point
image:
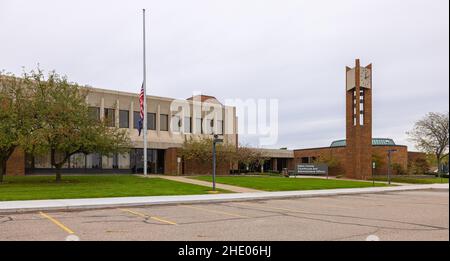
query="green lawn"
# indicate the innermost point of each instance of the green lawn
(414, 180)
(44, 187)
(268, 183)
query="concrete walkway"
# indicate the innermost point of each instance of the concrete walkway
(208, 184)
(98, 203)
(359, 180)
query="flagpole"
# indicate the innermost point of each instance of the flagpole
(145, 98)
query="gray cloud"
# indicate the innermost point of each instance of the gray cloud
(295, 51)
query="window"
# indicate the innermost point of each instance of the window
(176, 123)
(136, 118)
(361, 104)
(305, 160)
(164, 122)
(354, 107)
(124, 119)
(198, 125)
(220, 127)
(209, 126)
(151, 121)
(110, 117)
(94, 113)
(187, 124)
(94, 161)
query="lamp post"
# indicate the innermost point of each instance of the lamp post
(373, 169)
(389, 165)
(215, 140)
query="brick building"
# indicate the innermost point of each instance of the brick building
(171, 122)
(353, 156)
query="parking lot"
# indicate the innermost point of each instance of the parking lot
(413, 215)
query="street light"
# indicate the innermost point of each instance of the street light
(389, 165)
(373, 169)
(215, 140)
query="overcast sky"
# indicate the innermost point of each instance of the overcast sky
(294, 51)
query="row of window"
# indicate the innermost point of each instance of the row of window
(177, 124)
(125, 161)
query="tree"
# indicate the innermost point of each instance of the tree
(201, 150)
(379, 161)
(431, 134)
(250, 156)
(63, 123)
(334, 165)
(419, 166)
(16, 116)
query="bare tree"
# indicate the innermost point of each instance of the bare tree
(430, 134)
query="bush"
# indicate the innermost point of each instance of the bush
(398, 169)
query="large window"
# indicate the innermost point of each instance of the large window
(124, 119)
(94, 113)
(176, 123)
(136, 118)
(187, 124)
(94, 161)
(198, 126)
(220, 127)
(209, 126)
(110, 117)
(151, 121)
(164, 122)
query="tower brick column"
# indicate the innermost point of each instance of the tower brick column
(358, 121)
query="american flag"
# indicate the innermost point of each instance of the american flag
(141, 105)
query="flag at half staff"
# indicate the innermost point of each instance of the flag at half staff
(141, 106)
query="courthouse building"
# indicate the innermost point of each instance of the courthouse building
(170, 123)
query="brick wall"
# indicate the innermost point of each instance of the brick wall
(398, 157)
(339, 153)
(15, 166)
(196, 167)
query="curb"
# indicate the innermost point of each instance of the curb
(10, 207)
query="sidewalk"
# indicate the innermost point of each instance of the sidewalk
(359, 180)
(98, 203)
(208, 184)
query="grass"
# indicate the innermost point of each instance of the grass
(44, 187)
(414, 180)
(269, 183)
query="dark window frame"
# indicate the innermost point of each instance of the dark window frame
(122, 123)
(164, 127)
(111, 121)
(189, 127)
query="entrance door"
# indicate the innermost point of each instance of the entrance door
(155, 161)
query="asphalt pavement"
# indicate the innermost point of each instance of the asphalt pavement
(397, 215)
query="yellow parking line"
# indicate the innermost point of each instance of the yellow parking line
(56, 222)
(147, 216)
(284, 209)
(215, 211)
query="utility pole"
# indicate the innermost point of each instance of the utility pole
(215, 140)
(389, 165)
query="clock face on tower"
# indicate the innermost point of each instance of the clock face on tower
(365, 78)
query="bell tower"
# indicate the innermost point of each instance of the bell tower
(358, 121)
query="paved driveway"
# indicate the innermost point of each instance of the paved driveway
(411, 215)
